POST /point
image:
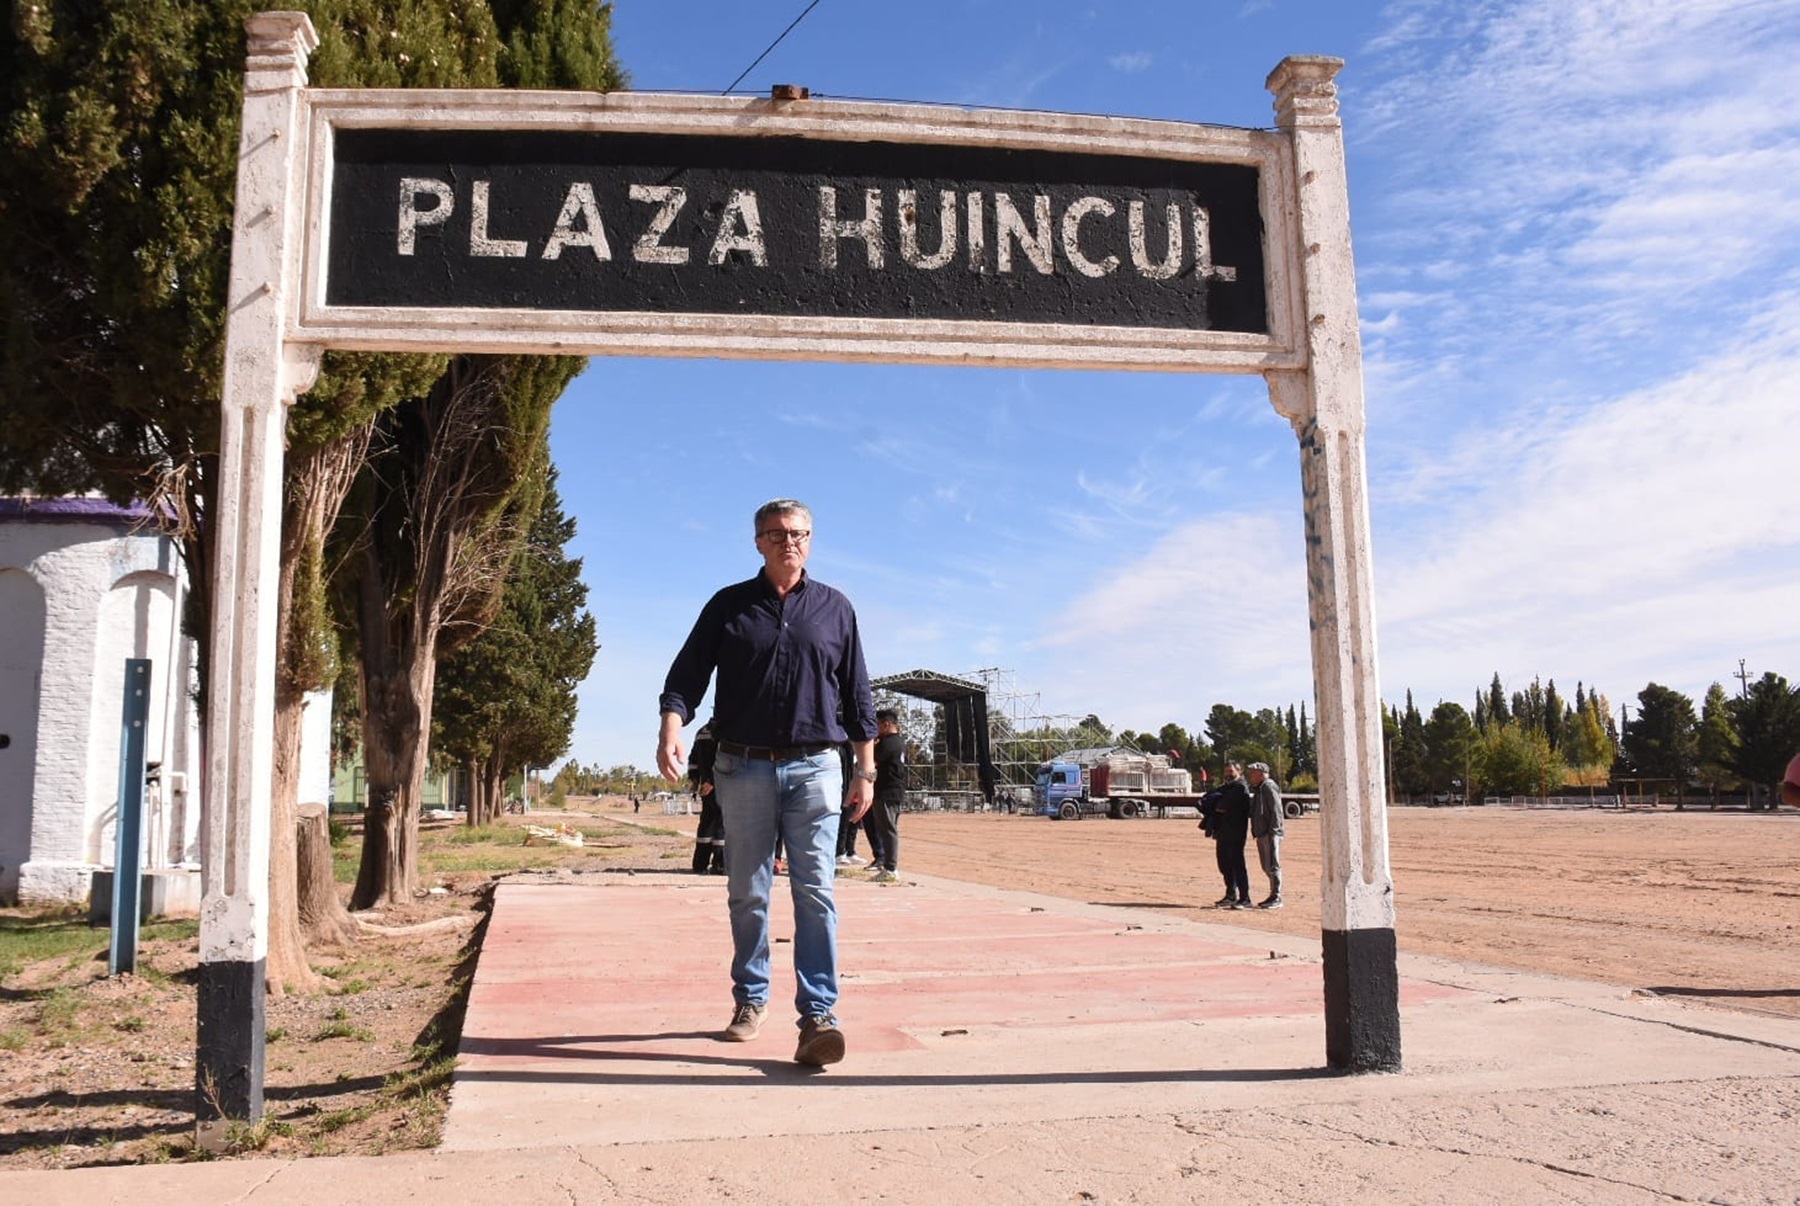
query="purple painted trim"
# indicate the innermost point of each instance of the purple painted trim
(72, 510)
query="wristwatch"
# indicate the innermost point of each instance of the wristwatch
(863, 774)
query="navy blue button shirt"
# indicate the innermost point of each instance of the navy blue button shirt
(787, 667)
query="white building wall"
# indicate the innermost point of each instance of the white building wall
(135, 617)
(108, 594)
(315, 750)
(21, 664)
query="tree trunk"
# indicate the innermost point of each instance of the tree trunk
(493, 784)
(396, 715)
(323, 918)
(438, 544)
(316, 482)
(286, 968)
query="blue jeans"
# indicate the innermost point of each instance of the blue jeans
(800, 801)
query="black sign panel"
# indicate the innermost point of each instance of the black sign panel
(681, 224)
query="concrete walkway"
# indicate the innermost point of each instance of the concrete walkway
(1009, 1047)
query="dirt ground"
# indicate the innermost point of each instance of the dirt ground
(100, 1070)
(1697, 904)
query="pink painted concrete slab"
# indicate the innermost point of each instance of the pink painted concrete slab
(637, 970)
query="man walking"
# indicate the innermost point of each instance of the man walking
(1266, 828)
(890, 795)
(789, 661)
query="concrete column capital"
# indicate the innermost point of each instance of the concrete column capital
(279, 47)
(1304, 92)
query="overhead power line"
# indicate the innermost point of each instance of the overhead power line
(772, 45)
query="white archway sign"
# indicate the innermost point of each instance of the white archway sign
(644, 224)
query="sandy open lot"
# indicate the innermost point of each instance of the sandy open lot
(1701, 904)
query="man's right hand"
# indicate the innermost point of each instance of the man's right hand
(671, 758)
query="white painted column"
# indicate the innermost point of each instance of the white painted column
(260, 380)
(1325, 404)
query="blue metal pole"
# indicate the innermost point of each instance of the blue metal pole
(128, 849)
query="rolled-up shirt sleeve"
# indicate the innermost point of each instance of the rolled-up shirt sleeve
(692, 669)
(858, 700)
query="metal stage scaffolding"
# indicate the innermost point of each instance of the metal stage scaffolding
(974, 741)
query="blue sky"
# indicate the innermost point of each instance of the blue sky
(1577, 234)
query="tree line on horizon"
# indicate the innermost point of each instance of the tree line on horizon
(1533, 741)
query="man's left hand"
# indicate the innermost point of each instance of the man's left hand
(862, 794)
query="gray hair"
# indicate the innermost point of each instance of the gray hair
(780, 506)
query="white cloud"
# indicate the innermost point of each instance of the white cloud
(1648, 533)
(1655, 534)
(1543, 156)
(1215, 610)
(1137, 60)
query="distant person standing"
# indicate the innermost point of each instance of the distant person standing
(1266, 828)
(789, 664)
(890, 795)
(1790, 783)
(1230, 820)
(709, 839)
(847, 828)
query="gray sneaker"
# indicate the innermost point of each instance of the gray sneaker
(884, 876)
(1274, 902)
(746, 1021)
(821, 1042)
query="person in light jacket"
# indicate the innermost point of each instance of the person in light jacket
(1266, 828)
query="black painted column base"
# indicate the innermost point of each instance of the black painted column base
(1362, 1000)
(228, 1061)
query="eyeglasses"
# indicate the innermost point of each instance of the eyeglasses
(785, 535)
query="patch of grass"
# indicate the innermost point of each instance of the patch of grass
(59, 1011)
(173, 929)
(474, 835)
(167, 1151)
(489, 858)
(349, 1030)
(44, 935)
(275, 1035)
(339, 1025)
(14, 1038)
(152, 973)
(337, 1120)
(242, 1139)
(131, 1024)
(27, 937)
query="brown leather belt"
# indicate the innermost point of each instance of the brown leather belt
(778, 753)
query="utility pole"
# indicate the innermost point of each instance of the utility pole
(1743, 677)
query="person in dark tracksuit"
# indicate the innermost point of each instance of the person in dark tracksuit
(709, 842)
(847, 828)
(1225, 816)
(890, 794)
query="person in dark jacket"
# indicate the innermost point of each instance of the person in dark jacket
(890, 795)
(1225, 817)
(709, 842)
